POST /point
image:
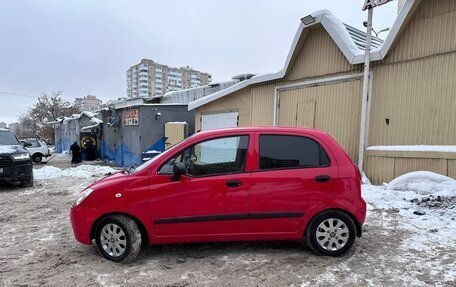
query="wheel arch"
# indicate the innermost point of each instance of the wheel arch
(141, 226)
(357, 224)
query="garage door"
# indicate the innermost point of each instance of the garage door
(334, 108)
(219, 121)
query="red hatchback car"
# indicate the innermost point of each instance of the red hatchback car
(256, 183)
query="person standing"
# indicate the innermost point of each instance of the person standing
(75, 153)
(90, 155)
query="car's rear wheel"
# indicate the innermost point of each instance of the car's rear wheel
(118, 238)
(331, 233)
(37, 157)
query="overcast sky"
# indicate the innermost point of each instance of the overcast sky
(85, 47)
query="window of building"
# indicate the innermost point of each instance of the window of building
(281, 151)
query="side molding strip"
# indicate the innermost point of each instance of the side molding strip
(223, 217)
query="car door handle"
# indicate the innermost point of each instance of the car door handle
(233, 183)
(322, 178)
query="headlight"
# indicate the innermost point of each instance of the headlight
(83, 195)
(21, 156)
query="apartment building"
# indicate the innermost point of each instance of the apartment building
(150, 79)
(87, 103)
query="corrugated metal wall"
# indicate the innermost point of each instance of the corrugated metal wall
(383, 166)
(239, 101)
(263, 104)
(418, 99)
(319, 56)
(430, 31)
(413, 96)
(334, 108)
(175, 132)
(414, 89)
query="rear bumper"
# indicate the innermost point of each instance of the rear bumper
(361, 217)
(82, 220)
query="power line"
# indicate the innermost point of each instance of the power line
(20, 95)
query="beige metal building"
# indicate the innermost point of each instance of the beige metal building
(412, 94)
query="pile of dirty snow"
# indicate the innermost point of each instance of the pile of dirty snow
(425, 200)
(421, 188)
(83, 171)
(424, 182)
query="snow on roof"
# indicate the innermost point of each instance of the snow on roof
(91, 115)
(419, 148)
(177, 123)
(349, 40)
(359, 37)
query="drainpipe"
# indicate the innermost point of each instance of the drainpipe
(362, 132)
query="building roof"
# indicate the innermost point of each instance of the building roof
(349, 40)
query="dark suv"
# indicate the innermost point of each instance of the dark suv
(15, 161)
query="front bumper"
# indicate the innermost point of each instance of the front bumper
(82, 220)
(15, 170)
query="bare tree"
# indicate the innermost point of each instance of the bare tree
(49, 108)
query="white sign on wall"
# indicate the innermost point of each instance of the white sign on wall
(219, 121)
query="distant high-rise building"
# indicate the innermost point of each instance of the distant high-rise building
(87, 103)
(3, 125)
(149, 79)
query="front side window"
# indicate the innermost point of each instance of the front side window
(279, 151)
(212, 157)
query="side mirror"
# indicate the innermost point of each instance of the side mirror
(179, 170)
(26, 144)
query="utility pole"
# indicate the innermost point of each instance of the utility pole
(369, 6)
(364, 99)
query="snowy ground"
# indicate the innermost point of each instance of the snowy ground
(398, 247)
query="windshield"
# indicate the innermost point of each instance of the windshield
(8, 138)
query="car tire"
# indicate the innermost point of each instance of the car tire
(331, 233)
(37, 157)
(28, 182)
(118, 238)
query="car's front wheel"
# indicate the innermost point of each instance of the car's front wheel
(118, 238)
(331, 233)
(37, 157)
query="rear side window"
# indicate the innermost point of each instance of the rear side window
(280, 151)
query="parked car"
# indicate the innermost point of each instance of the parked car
(15, 161)
(235, 184)
(37, 149)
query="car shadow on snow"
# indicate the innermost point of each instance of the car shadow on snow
(10, 186)
(291, 252)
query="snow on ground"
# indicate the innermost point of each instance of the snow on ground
(84, 171)
(424, 182)
(399, 246)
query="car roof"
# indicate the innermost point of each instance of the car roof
(262, 129)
